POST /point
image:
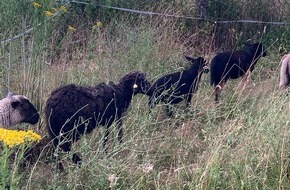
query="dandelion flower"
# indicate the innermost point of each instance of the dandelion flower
(63, 8)
(36, 5)
(70, 28)
(48, 13)
(17, 137)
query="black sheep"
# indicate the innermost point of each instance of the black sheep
(72, 111)
(178, 86)
(234, 64)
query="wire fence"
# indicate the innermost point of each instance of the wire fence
(215, 21)
(182, 16)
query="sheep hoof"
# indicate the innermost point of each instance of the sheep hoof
(77, 160)
(60, 167)
(218, 87)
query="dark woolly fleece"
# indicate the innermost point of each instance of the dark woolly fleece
(75, 110)
(175, 87)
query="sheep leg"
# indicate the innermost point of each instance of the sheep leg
(55, 155)
(153, 100)
(76, 159)
(150, 103)
(169, 110)
(246, 80)
(218, 90)
(106, 138)
(66, 146)
(107, 133)
(188, 99)
(120, 131)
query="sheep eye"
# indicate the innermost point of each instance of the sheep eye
(15, 104)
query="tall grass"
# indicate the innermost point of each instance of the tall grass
(241, 144)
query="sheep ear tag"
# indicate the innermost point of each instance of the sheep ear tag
(135, 86)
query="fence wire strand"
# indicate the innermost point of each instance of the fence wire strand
(152, 14)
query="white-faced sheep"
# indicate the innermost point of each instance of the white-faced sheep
(234, 64)
(16, 109)
(178, 86)
(72, 111)
(285, 71)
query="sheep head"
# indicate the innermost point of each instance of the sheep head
(257, 48)
(199, 62)
(20, 110)
(137, 81)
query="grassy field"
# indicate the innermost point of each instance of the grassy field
(242, 143)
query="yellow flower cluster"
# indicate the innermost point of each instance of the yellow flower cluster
(51, 12)
(48, 13)
(98, 24)
(17, 137)
(36, 4)
(71, 28)
(63, 8)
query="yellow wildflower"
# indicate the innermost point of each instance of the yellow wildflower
(70, 28)
(17, 137)
(48, 13)
(54, 10)
(63, 8)
(99, 24)
(36, 5)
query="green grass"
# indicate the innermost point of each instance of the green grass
(243, 143)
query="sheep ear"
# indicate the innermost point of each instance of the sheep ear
(247, 44)
(189, 58)
(15, 104)
(135, 86)
(10, 94)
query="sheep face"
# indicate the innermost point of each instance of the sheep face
(23, 110)
(258, 48)
(199, 62)
(141, 84)
(28, 111)
(17, 109)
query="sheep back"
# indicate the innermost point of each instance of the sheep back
(234, 64)
(88, 107)
(172, 87)
(94, 105)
